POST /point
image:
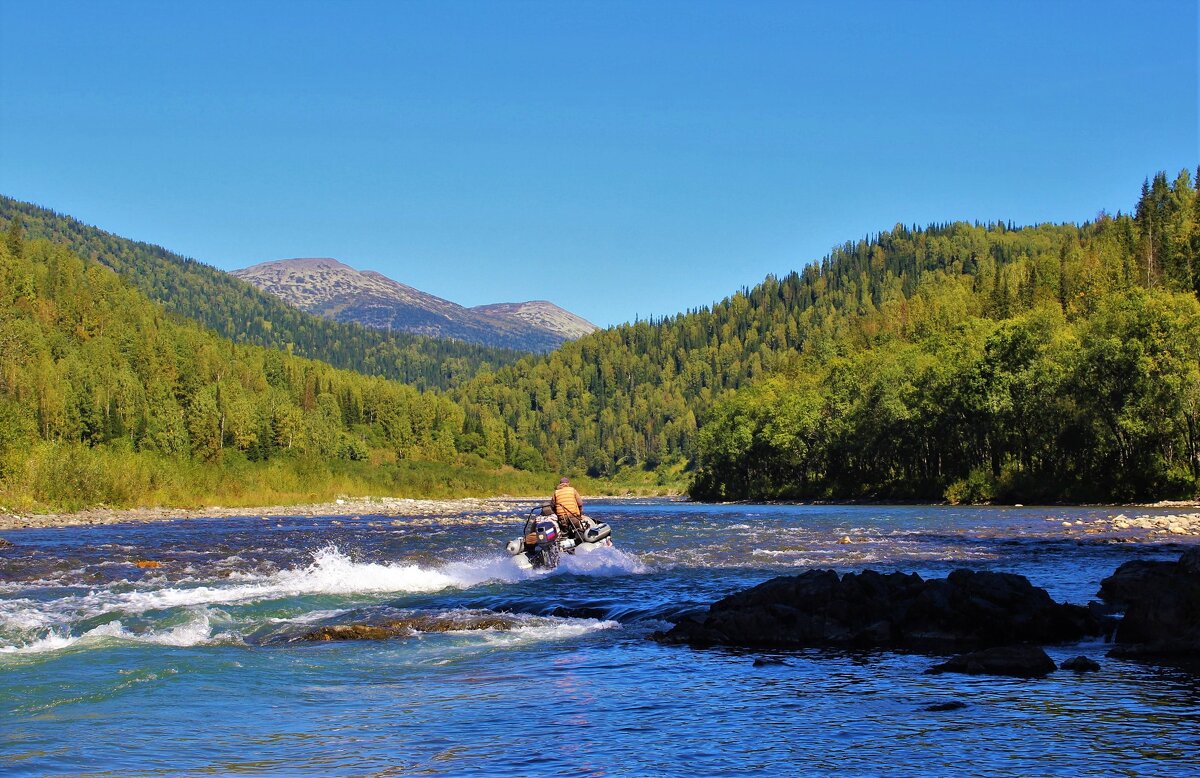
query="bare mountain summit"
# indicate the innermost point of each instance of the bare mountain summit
(337, 291)
(544, 314)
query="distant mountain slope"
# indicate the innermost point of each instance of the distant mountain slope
(544, 314)
(337, 291)
(237, 310)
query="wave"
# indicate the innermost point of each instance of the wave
(203, 627)
(196, 630)
(32, 625)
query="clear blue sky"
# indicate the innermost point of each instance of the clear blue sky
(616, 158)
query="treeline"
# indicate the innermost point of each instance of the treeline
(1064, 365)
(241, 313)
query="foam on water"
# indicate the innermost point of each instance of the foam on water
(196, 630)
(32, 625)
(556, 629)
(607, 561)
(45, 625)
(54, 641)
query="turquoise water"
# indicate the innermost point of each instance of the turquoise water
(196, 668)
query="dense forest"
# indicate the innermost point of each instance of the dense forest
(1054, 363)
(966, 361)
(238, 311)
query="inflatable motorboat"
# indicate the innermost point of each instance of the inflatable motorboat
(547, 537)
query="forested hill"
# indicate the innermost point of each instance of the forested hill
(1071, 373)
(237, 310)
(973, 361)
(636, 394)
(105, 398)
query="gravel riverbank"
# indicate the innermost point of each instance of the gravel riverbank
(374, 506)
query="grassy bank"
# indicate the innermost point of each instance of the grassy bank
(60, 477)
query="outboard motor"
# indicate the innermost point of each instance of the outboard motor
(542, 543)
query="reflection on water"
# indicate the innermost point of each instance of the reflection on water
(197, 665)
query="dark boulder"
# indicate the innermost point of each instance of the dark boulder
(1133, 580)
(1162, 606)
(1015, 661)
(1081, 664)
(967, 609)
(941, 707)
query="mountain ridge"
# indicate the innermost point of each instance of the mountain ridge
(330, 288)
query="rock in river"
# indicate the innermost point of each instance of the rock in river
(352, 632)
(1081, 664)
(1162, 606)
(410, 625)
(1016, 661)
(967, 609)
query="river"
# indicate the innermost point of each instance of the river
(195, 666)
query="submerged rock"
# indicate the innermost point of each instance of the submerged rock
(351, 632)
(1162, 607)
(6, 543)
(967, 609)
(1015, 661)
(940, 707)
(409, 625)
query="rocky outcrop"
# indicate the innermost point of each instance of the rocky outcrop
(410, 625)
(967, 609)
(1016, 661)
(5, 543)
(1162, 606)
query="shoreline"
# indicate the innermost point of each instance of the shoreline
(417, 507)
(345, 506)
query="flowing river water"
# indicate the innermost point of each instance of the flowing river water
(197, 667)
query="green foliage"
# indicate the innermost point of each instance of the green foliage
(979, 486)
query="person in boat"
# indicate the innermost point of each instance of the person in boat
(568, 506)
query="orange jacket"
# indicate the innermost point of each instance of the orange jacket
(567, 502)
